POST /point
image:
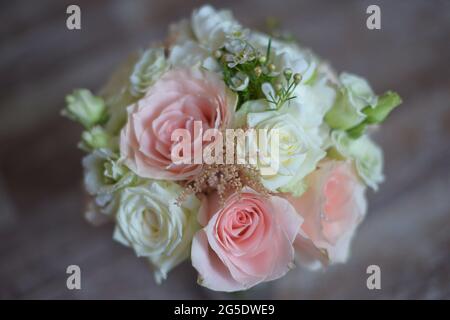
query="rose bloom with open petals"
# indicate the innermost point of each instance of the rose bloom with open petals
(332, 208)
(247, 241)
(175, 101)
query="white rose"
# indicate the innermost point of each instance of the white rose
(298, 151)
(150, 222)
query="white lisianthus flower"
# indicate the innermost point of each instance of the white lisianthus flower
(325, 70)
(180, 32)
(189, 54)
(360, 94)
(117, 94)
(129, 82)
(96, 138)
(298, 60)
(354, 95)
(260, 41)
(84, 107)
(239, 82)
(150, 66)
(367, 155)
(298, 150)
(103, 177)
(288, 55)
(151, 222)
(211, 26)
(311, 103)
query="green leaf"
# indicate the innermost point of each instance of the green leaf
(269, 46)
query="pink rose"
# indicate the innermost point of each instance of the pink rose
(247, 241)
(175, 101)
(332, 208)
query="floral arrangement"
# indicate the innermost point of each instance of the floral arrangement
(241, 223)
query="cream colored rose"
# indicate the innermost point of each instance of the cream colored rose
(295, 148)
(151, 222)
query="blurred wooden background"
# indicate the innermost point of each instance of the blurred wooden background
(42, 231)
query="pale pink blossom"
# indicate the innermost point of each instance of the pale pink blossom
(178, 99)
(247, 241)
(332, 208)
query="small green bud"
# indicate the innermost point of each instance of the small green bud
(278, 87)
(218, 54)
(271, 67)
(287, 73)
(237, 33)
(113, 170)
(262, 59)
(258, 71)
(297, 78)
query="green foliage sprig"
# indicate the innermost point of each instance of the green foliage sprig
(258, 70)
(284, 94)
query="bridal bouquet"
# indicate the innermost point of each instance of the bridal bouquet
(243, 152)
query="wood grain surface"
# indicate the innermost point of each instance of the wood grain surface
(42, 231)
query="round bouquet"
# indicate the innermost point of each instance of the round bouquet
(243, 152)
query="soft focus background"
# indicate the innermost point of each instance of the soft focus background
(42, 231)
